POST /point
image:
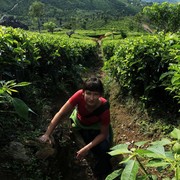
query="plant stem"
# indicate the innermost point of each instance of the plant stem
(144, 170)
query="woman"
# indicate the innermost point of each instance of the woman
(91, 116)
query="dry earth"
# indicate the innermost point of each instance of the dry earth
(125, 128)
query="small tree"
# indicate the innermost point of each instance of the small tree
(36, 11)
(164, 16)
(50, 26)
(70, 33)
(163, 155)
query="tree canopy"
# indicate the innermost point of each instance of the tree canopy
(163, 16)
(36, 11)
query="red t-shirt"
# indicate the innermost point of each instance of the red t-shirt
(77, 99)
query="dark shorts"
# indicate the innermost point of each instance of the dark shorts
(100, 152)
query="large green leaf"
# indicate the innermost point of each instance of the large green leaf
(114, 174)
(130, 171)
(22, 84)
(175, 133)
(120, 146)
(175, 79)
(20, 107)
(126, 159)
(162, 142)
(157, 163)
(142, 152)
(119, 149)
(140, 143)
(177, 175)
(170, 155)
(157, 151)
(1, 91)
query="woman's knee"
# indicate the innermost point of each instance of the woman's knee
(102, 148)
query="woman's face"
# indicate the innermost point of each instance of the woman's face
(91, 97)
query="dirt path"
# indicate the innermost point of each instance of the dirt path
(123, 122)
(125, 128)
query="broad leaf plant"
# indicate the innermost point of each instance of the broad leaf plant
(142, 156)
(6, 91)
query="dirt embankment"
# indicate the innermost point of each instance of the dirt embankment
(124, 122)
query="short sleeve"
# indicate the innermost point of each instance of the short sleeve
(76, 97)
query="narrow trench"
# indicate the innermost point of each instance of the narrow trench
(82, 170)
(73, 169)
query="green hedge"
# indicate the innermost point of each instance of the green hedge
(29, 56)
(139, 63)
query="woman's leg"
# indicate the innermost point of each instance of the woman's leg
(103, 166)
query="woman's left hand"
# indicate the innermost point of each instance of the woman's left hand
(82, 153)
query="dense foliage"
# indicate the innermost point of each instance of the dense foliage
(161, 1)
(6, 91)
(52, 64)
(163, 155)
(73, 6)
(139, 64)
(73, 14)
(26, 56)
(164, 17)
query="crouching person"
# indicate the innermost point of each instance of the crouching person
(91, 118)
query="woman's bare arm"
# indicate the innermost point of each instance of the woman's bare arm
(98, 139)
(65, 109)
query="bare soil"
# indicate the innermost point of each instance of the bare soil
(125, 127)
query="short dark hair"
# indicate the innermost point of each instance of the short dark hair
(94, 84)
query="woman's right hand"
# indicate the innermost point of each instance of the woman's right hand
(45, 139)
